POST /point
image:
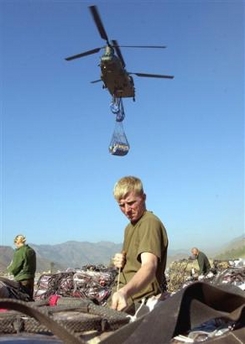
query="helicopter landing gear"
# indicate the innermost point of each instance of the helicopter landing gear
(119, 144)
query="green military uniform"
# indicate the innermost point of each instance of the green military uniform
(203, 263)
(23, 267)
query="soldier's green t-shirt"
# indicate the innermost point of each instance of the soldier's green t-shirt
(147, 235)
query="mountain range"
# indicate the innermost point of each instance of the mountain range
(74, 254)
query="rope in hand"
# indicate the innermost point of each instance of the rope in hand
(119, 272)
(118, 278)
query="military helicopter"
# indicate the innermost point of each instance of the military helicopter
(114, 76)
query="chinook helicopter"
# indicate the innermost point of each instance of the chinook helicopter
(116, 79)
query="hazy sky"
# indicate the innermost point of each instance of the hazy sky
(186, 135)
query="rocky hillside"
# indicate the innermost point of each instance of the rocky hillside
(75, 254)
(235, 249)
(71, 254)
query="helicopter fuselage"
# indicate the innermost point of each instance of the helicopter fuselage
(115, 78)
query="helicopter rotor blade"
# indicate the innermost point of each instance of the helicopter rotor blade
(89, 52)
(95, 81)
(154, 75)
(118, 51)
(95, 13)
(144, 46)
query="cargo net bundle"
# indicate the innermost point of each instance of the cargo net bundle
(89, 282)
(119, 144)
(183, 272)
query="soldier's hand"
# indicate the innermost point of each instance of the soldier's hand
(119, 260)
(119, 301)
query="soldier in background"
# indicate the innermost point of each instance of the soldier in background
(23, 265)
(202, 259)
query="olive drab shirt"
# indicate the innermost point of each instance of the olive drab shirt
(147, 235)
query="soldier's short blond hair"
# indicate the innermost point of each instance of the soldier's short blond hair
(20, 239)
(126, 185)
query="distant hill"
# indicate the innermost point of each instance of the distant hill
(76, 254)
(234, 249)
(230, 250)
(71, 254)
(6, 255)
